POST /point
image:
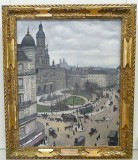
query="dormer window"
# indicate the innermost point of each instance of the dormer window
(20, 68)
(20, 83)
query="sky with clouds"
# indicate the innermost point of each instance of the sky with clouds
(81, 42)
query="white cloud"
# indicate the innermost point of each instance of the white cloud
(83, 42)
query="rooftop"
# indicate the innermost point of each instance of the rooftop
(112, 134)
(28, 41)
(40, 128)
(21, 56)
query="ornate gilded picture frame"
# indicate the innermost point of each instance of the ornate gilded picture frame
(69, 81)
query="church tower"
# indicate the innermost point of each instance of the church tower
(40, 36)
(42, 56)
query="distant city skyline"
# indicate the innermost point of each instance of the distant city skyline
(84, 43)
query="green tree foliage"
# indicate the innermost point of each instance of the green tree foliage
(91, 87)
(60, 106)
(76, 88)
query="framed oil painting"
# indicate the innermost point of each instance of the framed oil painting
(69, 80)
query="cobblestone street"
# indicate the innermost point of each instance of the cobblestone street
(104, 120)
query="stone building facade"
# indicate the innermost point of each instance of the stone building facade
(31, 132)
(49, 77)
(81, 75)
(102, 79)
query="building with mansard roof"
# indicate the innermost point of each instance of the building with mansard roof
(31, 132)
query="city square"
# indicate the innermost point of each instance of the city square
(100, 118)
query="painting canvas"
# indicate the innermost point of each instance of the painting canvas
(69, 82)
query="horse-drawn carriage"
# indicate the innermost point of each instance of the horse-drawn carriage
(52, 132)
(79, 141)
(69, 118)
(113, 138)
(59, 119)
(93, 130)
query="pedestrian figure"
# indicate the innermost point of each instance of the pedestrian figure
(95, 144)
(76, 129)
(46, 138)
(98, 137)
(78, 125)
(76, 141)
(54, 144)
(45, 141)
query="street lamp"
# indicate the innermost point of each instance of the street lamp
(73, 100)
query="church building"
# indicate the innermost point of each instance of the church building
(49, 78)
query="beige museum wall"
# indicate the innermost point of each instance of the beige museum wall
(15, 2)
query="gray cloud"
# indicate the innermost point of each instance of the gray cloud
(82, 42)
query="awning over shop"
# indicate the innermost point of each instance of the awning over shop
(35, 137)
